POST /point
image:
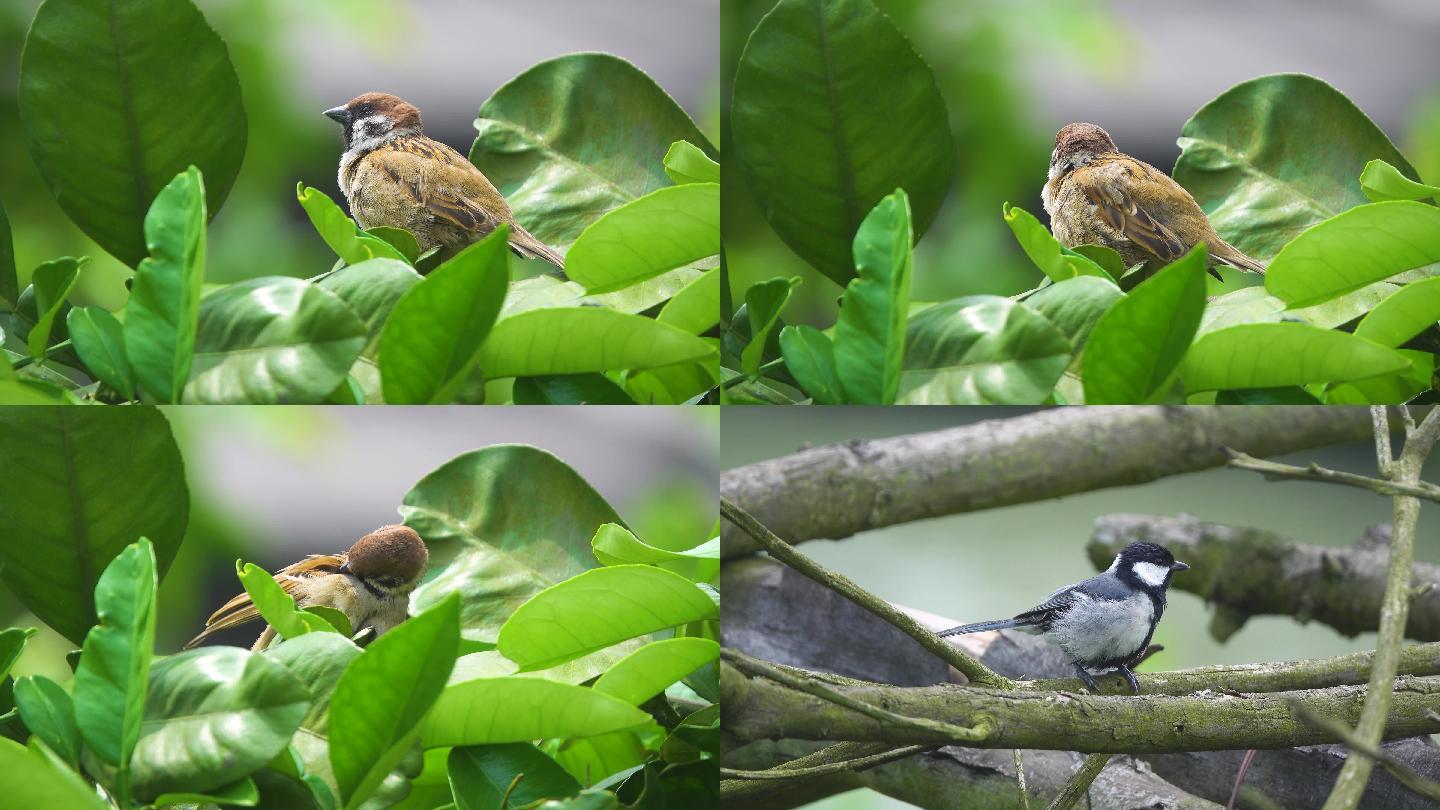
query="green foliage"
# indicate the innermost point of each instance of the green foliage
(681, 225)
(1055, 261)
(1380, 181)
(49, 713)
(481, 776)
(1363, 245)
(276, 606)
(810, 358)
(688, 163)
(1295, 354)
(52, 283)
(870, 335)
(981, 350)
(99, 339)
(9, 283)
(575, 340)
(29, 778)
(763, 303)
(343, 236)
(497, 710)
(614, 544)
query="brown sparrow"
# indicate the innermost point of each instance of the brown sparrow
(392, 175)
(370, 584)
(1098, 195)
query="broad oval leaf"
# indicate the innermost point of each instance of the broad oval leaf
(665, 229)
(501, 710)
(99, 339)
(60, 464)
(1075, 305)
(482, 777)
(317, 660)
(1406, 313)
(870, 334)
(1138, 342)
(696, 307)
(575, 340)
(821, 68)
(1366, 244)
(981, 350)
(559, 166)
(810, 358)
(1272, 355)
(596, 609)
(1382, 182)
(371, 289)
(29, 778)
(272, 341)
(118, 98)
(1272, 156)
(49, 713)
(646, 672)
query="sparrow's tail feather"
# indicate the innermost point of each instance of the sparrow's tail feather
(527, 246)
(1232, 256)
(977, 627)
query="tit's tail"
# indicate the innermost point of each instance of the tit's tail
(978, 627)
(526, 246)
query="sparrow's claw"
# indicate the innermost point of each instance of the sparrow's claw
(1088, 679)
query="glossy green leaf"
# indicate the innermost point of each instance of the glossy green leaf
(1054, 260)
(481, 775)
(212, 717)
(12, 643)
(562, 167)
(49, 713)
(270, 341)
(1381, 181)
(1409, 311)
(509, 544)
(676, 384)
(241, 793)
(821, 68)
(99, 339)
(501, 710)
(665, 229)
(615, 545)
(1387, 389)
(317, 660)
(644, 295)
(1075, 305)
(491, 664)
(1138, 342)
(570, 389)
(574, 340)
(372, 289)
(596, 609)
(1272, 156)
(810, 358)
(1106, 258)
(53, 281)
(1344, 309)
(431, 342)
(1288, 395)
(981, 350)
(164, 310)
(9, 282)
(870, 333)
(59, 463)
(340, 232)
(398, 238)
(1364, 245)
(586, 800)
(30, 779)
(1270, 355)
(111, 681)
(384, 693)
(32, 392)
(687, 163)
(763, 304)
(646, 672)
(118, 98)
(276, 606)
(696, 307)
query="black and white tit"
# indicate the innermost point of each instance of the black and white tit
(1106, 621)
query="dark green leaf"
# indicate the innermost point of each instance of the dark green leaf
(49, 713)
(1364, 245)
(822, 69)
(99, 339)
(763, 303)
(340, 232)
(570, 389)
(1105, 257)
(1075, 305)
(646, 672)
(586, 800)
(9, 282)
(1381, 181)
(480, 776)
(981, 350)
(576, 340)
(242, 793)
(30, 779)
(1291, 395)
(53, 281)
(117, 99)
(499, 710)
(1055, 261)
(687, 163)
(398, 238)
(810, 358)
(1409, 311)
(870, 334)
(1272, 355)
(665, 229)
(12, 643)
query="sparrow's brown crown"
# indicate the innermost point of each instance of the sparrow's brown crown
(1073, 138)
(395, 551)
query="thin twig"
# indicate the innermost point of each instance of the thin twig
(1402, 772)
(1379, 418)
(1079, 784)
(1275, 471)
(1245, 763)
(977, 672)
(1020, 779)
(789, 770)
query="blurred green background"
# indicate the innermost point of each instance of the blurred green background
(298, 57)
(996, 563)
(271, 484)
(1014, 73)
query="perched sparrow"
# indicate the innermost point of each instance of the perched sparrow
(1098, 195)
(393, 175)
(370, 584)
(1105, 621)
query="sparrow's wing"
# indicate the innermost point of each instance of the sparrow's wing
(240, 610)
(444, 183)
(1106, 187)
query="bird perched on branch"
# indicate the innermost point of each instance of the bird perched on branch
(370, 584)
(392, 175)
(1098, 195)
(1106, 621)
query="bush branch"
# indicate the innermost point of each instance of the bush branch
(1275, 471)
(1079, 784)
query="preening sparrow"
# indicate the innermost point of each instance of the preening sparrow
(370, 584)
(392, 175)
(1098, 195)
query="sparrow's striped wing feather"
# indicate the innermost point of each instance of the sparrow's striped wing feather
(240, 610)
(1117, 207)
(445, 183)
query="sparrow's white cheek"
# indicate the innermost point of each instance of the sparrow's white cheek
(1151, 574)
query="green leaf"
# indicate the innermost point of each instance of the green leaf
(53, 281)
(480, 776)
(276, 606)
(164, 310)
(509, 544)
(1387, 389)
(384, 693)
(1107, 259)
(432, 340)
(764, 303)
(501, 710)
(696, 307)
(1366, 244)
(822, 68)
(589, 800)
(49, 713)
(1054, 260)
(596, 609)
(646, 672)
(810, 357)
(212, 717)
(687, 163)
(1288, 395)
(31, 779)
(242, 793)
(559, 166)
(116, 99)
(569, 389)
(1075, 305)
(340, 232)
(1381, 181)
(613, 544)
(398, 238)
(665, 229)
(9, 282)
(12, 643)
(317, 660)
(273, 340)
(870, 334)
(576, 340)
(1406, 313)
(1138, 343)
(1272, 156)
(337, 620)
(58, 463)
(675, 384)
(372, 289)
(110, 683)
(99, 339)
(1271, 355)
(981, 350)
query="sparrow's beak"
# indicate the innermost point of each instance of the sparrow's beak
(340, 114)
(344, 568)
(1179, 566)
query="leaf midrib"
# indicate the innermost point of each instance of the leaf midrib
(127, 113)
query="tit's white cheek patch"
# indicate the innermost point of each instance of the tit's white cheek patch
(1151, 574)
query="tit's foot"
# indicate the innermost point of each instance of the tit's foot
(1088, 679)
(1130, 676)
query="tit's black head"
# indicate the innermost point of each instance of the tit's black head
(1146, 565)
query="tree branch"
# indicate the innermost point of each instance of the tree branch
(1079, 784)
(838, 490)
(1402, 772)
(1275, 471)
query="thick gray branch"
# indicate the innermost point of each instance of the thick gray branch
(838, 490)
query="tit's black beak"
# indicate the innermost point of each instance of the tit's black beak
(340, 114)
(1179, 566)
(344, 568)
